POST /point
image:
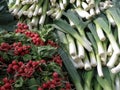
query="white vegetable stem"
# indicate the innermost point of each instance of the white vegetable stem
(93, 60)
(100, 32)
(81, 51)
(64, 2)
(88, 1)
(87, 65)
(78, 3)
(79, 62)
(116, 69)
(114, 43)
(109, 50)
(75, 64)
(32, 7)
(97, 10)
(36, 10)
(61, 5)
(99, 66)
(110, 18)
(72, 1)
(92, 3)
(72, 47)
(59, 14)
(82, 13)
(112, 60)
(85, 6)
(17, 3)
(42, 19)
(40, 11)
(16, 10)
(50, 11)
(30, 14)
(101, 50)
(92, 12)
(34, 21)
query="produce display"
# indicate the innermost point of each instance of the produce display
(29, 61)
(85, 34)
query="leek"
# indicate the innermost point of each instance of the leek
(72, 47)
(103, 24)
(65, 27)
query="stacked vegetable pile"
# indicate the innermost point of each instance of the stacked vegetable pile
(29, 61)
(34, 12)
(89, 35)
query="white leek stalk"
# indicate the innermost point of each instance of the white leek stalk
(72, 1)
(109, 50)
(53, 1)
(32, 7)
(104, 58)
(116, 69)
(59, 14)
(110, 18)
(79, 62)
(17, 3)
(36, 10)
(72, 47)
(51, 11)
(35, 1)
(34, 21)
(44, 10)
(16, 10)
(87, 65)
(97, 10)
(61, 5)
(64, 2)
(112, 60)
(11, 8)
(55, 13)
(78, 3)
(75, 64)
(40, 11)
(81, 51)
(23, 2)
(85, 6)
(82, 13)
(100, 32)
(109, 34)
(42, 19)
(93, 60)
(99, 66)
(30, 14)
(88, 1)
(23, 9)
(92, 3)
(101, 50)
(114, 43)
(92, 12)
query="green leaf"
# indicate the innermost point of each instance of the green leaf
(104, 82)
(27, 57)
(74, 18)
(70, 68)
(46, 51)
(65, 27)
(32, 83)
(19, 82)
